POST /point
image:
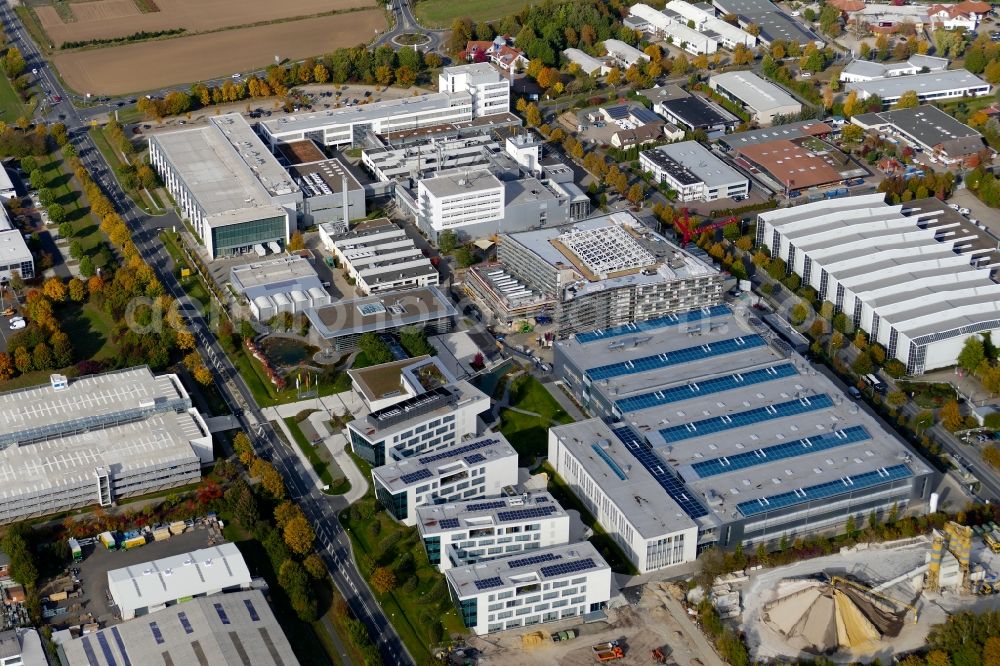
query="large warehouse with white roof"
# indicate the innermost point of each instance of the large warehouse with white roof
(917, 277)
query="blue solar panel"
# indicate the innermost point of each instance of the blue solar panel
(419, 475)
(525, 514)
(475, 458)
(534, 559)
(653, 324)
(88, 650)
(222, 613)
(664, 476)
(157, 636)
(253, 611)
(707, 387)
(486, 506)
(610, 461)
(121, 645)
(182, 616)
(749, 417)
(799, 447)
(454, 453)
(448, 523)
(102, 640)
(841, 486)
(567, 567)
(488, 583)
(667, 359)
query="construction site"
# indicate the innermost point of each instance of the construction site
(869, 601)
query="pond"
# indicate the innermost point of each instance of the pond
(285, 352)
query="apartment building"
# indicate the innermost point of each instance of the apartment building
(479, 530)
(694, 172)
(557, 583)
(480, 468)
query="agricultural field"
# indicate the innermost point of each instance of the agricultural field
(108, 19)
(152, 65)
(441, 13)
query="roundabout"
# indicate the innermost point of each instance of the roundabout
(411, 39)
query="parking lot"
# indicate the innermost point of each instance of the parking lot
(93, 604)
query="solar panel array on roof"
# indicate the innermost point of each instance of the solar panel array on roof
(121, 645)
(448, 523)
(725, 422)
(841, 486)
(153, 627)
(222, 613)
(525, 514)
(672, 319)
(486, 506)
(88, 650)
(419, 475)
(799, 447)
(707, 387)
(185, 623)
(567, 567)
(617, 112)
(102, 640)
(667, 359)
(670, 483)
(254, 617)
(488, 583)
(534, 559)
(475, 458)
(455, 452)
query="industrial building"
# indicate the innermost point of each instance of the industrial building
(96, 439)
(7, 189)
(274, 286)
(479, 468)
(553, 584)
(930, 87)
(330, 192)
(604, 271)
(15, 257)
(420, 160)
(762, 99)
(415, 407)
(917, 277)
(694, 172)
(340, 324)
(231, 629)
(711, 431)
(588, 64)
(791, 131)
(474, 531)
(228, 185)
(694, 112)
(379, 257)
(928, 128)
(790, 165)
(465, 92)
(624, 54)
(773, 23)
(145, 588)
(867, 70)
(22, 646)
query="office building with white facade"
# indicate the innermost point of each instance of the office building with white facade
(762, 99)
(458, 200)
(15, 257)
(522, 590)
(707, 23)
(416, 407)
(674, 28)
(480, 468)
(726, 434)
(606, 271)
(96, 439)
(930, 87)
(490, 90)
(275, 286)
(867, 70)
(917, 277)
(147, 587)
(694, 172)
(226, 182)
(474, 531)
(379, 256)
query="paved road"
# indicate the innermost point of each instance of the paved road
(322, 511)
(405, 23)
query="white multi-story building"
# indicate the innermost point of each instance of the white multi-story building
(479, 530)
(694, 172)
(628, 501)
(713, 27)
(866, 70)
(489, 90)
(416, 407)
(459, 199)
(96, 439)
(932, 86)
(915, 276)
(624, 54)
(379, 256)
(522, 590)
(476, 469)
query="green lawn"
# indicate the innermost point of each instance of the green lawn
(313, 453)
(529, 434)
(89, 328)
(11, 107)
(441, 13)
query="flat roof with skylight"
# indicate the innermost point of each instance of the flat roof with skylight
(400, 475)
(375, 313)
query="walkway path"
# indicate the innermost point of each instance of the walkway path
(336, 444)
(555, 390)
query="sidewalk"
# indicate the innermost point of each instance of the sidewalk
(336, 443)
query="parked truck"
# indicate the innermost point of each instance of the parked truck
(108, 540)
(991, 541)
(610, 651)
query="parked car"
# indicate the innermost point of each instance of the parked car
(17, 324)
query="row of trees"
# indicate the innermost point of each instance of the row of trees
(985, 185)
